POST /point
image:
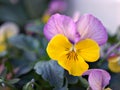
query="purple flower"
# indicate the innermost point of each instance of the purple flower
(57, 6)
(87, 26)
(98, 79)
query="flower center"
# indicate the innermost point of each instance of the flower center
(72, 55)
(73, 48)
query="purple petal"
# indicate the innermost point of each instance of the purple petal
(76, 16)
(98, 78)
(90, 27)
(95, 80)
(61, 24)
(106, 78)
(88, 72)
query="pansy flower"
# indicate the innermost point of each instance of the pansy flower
(114, 59)
(98, 79)
(74, 43)
(7, 30)
(55, 6)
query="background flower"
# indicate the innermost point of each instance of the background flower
(114, 58)
(98, 79)
(7, 30)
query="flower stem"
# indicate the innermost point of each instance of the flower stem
(105, 57)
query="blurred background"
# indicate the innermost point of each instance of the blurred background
(22, 42)
(23, 11)
(106, 10)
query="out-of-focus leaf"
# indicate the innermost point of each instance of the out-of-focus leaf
(84, 82)
(23, 69)
(8, 2)
(13, 81)
(5, 1)
(71, 79)
(5, 88)
(65, 87)
(22, 65)
(23, 42)
(9, 66)
(28, 86)
(3, 73)
(35, 27)
(115, 81)
(112, 38)
(50, 71)
(13, 13)
(35, 8)
(29, 55)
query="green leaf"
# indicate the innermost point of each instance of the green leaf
(65, 87)
(28, 86)
(5, 1)
(3, 73)
(115, 81)
(23, 42)
(9, 66)
(13, 81)
(50, 71)
(35, 8)
(71, 79)
(24, 69)
(84, 82)
(13, 13)
(35, 27)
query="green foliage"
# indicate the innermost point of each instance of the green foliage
(25, 43)
(51, 72)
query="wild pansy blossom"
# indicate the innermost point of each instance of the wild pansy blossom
(55, 6)
(7, 30)
(98, 79)
(73, 43)
(114, 60)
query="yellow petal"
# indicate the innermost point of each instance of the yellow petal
(75, 67)
(58, 44)
(88, 49)
(2, 47)
(114, 64)
(108, 88)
